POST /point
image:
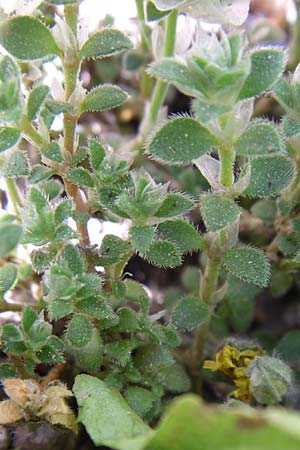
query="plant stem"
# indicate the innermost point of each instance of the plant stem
(209, 281)
(142, 25)
(160, 89)
(227, 157)
(71, 70)
(295, 47)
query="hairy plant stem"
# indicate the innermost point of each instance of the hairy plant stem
(294, 59)
(71, 70)
(161, 88)
(145, 79)
(209, 281)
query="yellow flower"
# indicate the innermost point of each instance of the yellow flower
(232, 361)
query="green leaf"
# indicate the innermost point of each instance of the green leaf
(35, 100)
(39, 173)
(59, 308)
(141, 237)
(265, 210)
(103, 97)
(53, 152)
(153, 13)
(128, 320)
(79, 331)
(10, 235)
(7, 371)
(180, 140)
(181, 234)
(120, 351)
(189, 424)
(163, 253)
(240, 300)
(8, 277)
(15, 165)
(175, 379)
(97, 405)
(151, 358)
(173, 72)
(79, 175)
(261, 137)
(62, 211)
(112, 250)
(267, 65)
(174, 205)
(105, 43)
(269, 175)
(218, 211)
(97, 153)
(27, 38)
(288, 347)
(9, 136)
(188, 313)
(139, 399)
(291, 126)
(283, 93)
(205, 112)
(100, 309)
(50, 355)
(28, 318)
(248, 264)
(39, 331)
(63, 233)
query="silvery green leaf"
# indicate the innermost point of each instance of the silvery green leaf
(27, 38)
(105, 43)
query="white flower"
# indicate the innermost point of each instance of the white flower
(233, 12)
(19, 6)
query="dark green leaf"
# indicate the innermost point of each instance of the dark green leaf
(79, 331)
(163, 253)
(181, 234)
(79, 175)
(174, 205)
(218, 211)
(141, 237)
(188, 313)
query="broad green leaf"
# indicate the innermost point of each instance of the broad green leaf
(260, 138)
(218, 211)
(105, 43)
(283, 93)
(248, 264)
(79, 175)
(269, 175)
(7, 371)
(163, 253)
(35, 100)
(267, 65)
(188, 313)
(63, 212)
(27, 38)
(291, 126)
(174, 72)
(134, 60)
(79, 331)
(103, 97)
(8, 277)
(181, 234)
(53, 152)
(15, 164)
(59, 308)
(100, 309)
(180, 140)
(10, 235)
(107, 417)
(128, 320)
(141, 237)
(189, 424)
(174, 205)
(9, 136)
(120, 351)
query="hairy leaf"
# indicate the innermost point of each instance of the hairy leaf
(105, 43)
(218, 211)
(180, 140)
(260, 138)
(174, 205)
(10, 235)
(163, 253)
(188, 313)
(103, 97)
(248, 264)
(182, 234)
(9, 136)
(141, 237)
(35, 100)
(79, 331)
(8, 277)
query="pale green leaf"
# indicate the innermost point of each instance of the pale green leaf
(180, 140)
(260, 138)
(9, 136)
(35, 100)
(15, 165)
(79, 175)
(108, 418)
(105, 43)
(53, 152)
(103, 97)
(8, 277)
(79, 331)
(27, 38)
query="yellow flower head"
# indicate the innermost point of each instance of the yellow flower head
(233, 361)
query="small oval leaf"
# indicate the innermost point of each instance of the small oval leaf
(105, 43)
(106, 96)
(27, 38)
(8, 137)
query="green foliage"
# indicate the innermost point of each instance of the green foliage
(260, 138)
(35, 100)
(8, 277)
(19, 37)
(53, 152)
(10, 235)
(15, 164)
(9, 136)
(102, 98)
(248, 264)
(182, 234)
(218, 211)
(180, 140)
(188, 313)
(163, 253)
(105, 43)
(141, 237)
